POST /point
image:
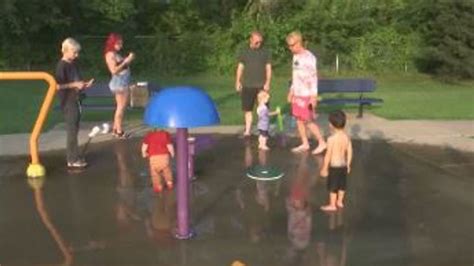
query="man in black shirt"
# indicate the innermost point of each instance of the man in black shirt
(70, 84)
(254, 73)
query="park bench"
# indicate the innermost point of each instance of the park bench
(344, 86)
(99, 97)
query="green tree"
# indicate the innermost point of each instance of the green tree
(384, 49)
(219, 12)
(113, 10)
(180, 43)
(28, 32)
(448, 38)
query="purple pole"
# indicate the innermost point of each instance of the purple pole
(182, 188)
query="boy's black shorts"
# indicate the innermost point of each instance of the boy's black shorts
(337, 179)
(248, 97)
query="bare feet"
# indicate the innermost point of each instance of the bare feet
(329, 208)
(319, 149)
(245, 136)
(300, 148)
(340, 205)
(169, 185)
(157, 188)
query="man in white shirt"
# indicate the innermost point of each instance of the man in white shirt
(303, 93)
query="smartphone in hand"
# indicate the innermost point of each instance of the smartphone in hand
(89, 83)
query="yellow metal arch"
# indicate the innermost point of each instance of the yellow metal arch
(35, 169)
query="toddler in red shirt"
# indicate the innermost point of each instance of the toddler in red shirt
(157, 147)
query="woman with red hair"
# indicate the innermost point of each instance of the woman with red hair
(120, 81)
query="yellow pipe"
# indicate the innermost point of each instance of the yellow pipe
(35, 169)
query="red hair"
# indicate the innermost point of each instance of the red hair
(112, 39)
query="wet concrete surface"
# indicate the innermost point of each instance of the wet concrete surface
(405, 205)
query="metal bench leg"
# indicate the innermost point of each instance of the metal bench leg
(361, 111)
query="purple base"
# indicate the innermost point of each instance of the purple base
(190, 234)
(182, 188)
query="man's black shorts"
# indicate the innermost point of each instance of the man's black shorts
(248, 97)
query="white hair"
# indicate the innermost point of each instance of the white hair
(70, 43)
(295, 35)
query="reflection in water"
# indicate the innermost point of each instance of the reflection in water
(137, 206)
(248, 156)
(299, 210)
(254, 200)
(78, 223)
(160, 220)
(125, 209)
(332, 248)
(37, 185)
(319, 160)
(255, 212)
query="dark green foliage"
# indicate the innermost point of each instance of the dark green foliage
(448, 36)
(189, 36)
(383, 49)
(26, 31)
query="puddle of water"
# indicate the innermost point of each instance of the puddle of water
(108, 213)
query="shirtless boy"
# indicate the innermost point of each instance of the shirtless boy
(337, 161)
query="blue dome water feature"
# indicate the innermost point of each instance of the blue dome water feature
(181, 107)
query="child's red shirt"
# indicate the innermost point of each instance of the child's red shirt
(157, 141)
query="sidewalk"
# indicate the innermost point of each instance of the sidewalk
(457, 135)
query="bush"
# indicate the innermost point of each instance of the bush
(91, 59)
(383, 50)
(228, 42)
(182, 54)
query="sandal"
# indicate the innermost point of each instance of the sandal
(120, 135)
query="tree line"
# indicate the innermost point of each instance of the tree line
(190, 36)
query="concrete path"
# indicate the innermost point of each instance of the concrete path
(457, 134)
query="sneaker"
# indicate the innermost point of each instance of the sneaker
(105, 128)
(77, 164)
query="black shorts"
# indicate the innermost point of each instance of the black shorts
(248, 97)
(337, 179)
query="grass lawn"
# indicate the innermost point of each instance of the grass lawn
(410, 96)
(418, 97)
(19, 106)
